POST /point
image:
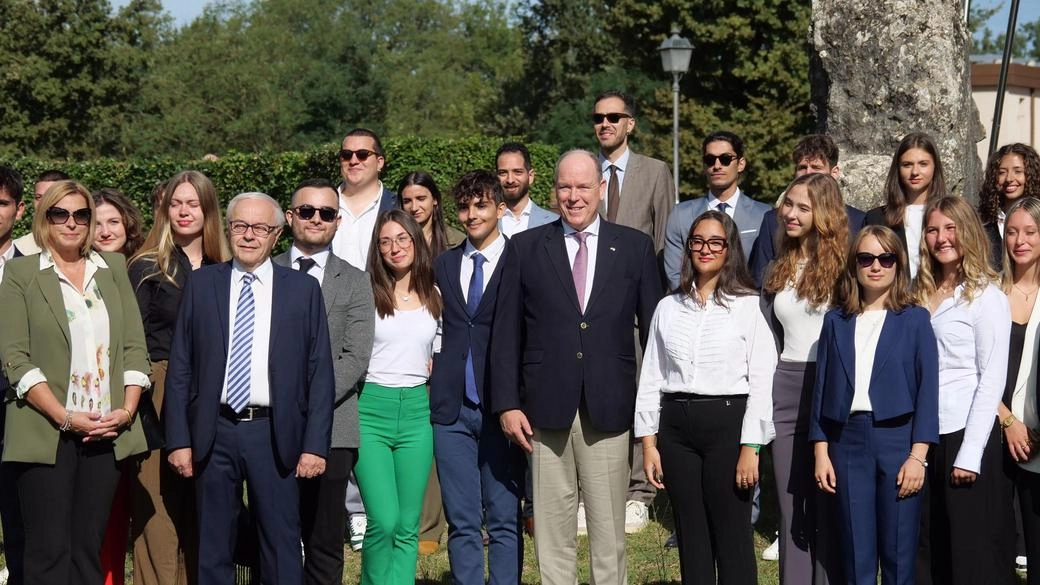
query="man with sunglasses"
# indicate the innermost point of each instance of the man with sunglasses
(362, 196)
(26, 245)
(313, 219)
(724, 163)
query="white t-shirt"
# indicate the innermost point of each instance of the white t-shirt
(402, 348)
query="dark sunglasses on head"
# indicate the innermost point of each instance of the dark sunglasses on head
(725, 159)
(362, 154)
(865, 260)
(613, 117)
(305, 211)
(60, 215)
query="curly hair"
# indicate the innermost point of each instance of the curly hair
(821, 252)
(991, 197)
(974, 270)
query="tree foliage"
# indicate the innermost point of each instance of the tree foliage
(1025, 45)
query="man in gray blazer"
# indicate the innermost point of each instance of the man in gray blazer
(724, 164)
(513, 164)
(351, 312)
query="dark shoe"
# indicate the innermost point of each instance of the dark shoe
(672, 542)
(529, 526)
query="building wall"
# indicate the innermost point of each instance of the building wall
(1020, 121)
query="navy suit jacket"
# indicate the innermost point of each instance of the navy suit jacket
(764, 250)
(547, 357)
(459, 333)
(904, 379)
(299, 368)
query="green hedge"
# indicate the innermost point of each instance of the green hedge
(278, 174)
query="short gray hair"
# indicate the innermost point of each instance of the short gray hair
(279, 217)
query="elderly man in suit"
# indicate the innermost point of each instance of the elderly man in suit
(563, 371)
(348, 302)
(723, 165)
(249, 394)
(513, 163)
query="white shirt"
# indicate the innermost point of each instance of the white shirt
(320, 260)
(7, 255)
(731, 203)
(492, 254)
(1001, 220)
(514, 224)
(868, 332)
(973, 352)
(802, 325)
(354, 236)
(259, 383)
(402, 348)
(711, 350)
(621, 163)
(913, 225)
(572, 251)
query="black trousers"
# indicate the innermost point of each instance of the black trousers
(65, 509)
(321, 519)
(699, 442)
(1027, 487)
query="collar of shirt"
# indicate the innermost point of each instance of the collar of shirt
(320, 258)
(94, 262)
(374, 204)
(621, 163)
(525, 212)
(263, 273)
(9, 252)
(492, 253)
(593, 228)
(713, 201)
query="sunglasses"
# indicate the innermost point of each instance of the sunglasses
(306, 211)
(725, 159)
(865, 260)
(362, 154)
(60, 216)
(613, 117)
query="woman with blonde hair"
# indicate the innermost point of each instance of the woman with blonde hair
(188, 233)
(812, 245)
(961, 540)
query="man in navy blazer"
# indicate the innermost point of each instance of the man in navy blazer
(480, 470)
(563, 373)
(259, 412)
(513, 164)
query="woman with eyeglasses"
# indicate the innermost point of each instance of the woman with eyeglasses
(964, 514)
(704, 404)
(417, 193)
(1013, 172)
(118, 223)
(915, 179)
(811, 250)
(73, 349)
(874, 409)
(188, 233)
(396, 449)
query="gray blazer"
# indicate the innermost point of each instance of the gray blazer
(348, 302)
(747, 216)
(539, 217)
(647, 197)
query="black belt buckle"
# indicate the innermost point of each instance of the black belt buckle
(248, 413)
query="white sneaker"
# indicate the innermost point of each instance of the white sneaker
(3, 576)
(636, 516)
(358, 524)
(772, 552)
(582, 527)
(1021, 564)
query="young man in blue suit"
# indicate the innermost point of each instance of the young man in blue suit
(480, 470)
(249, 394)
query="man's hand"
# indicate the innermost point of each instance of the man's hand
(516, 428)
(180, 461)
(310, 465)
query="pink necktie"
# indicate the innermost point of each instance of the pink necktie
(581, 266)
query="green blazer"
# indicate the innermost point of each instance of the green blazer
(36, 335)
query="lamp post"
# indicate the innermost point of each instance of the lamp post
(675, 58)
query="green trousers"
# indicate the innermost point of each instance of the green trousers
(393, 465)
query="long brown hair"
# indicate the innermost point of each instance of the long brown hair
(975, 270)
(895, 198)
(991, 197)
(128, 212)
(422, 281)
(847, 294)
(734, 279)
(439, 239)
(823, 249)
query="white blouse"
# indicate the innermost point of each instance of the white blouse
(402, 348)
(802, 325)
(868, 332)
(709, 350)
(973, 354)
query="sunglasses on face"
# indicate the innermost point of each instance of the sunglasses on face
(865, 260)
(306, 211)
(362, 154)
(613, 117)
(725, 159)
(60, 216)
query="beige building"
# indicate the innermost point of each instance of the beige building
(1021, 116)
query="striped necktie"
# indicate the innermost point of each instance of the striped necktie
(240, 365)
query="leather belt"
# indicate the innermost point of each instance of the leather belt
(247, 414)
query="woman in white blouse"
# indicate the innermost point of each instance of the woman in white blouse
(704, 407)
(875, 409)
(961, 538)
(73, 349)
(396, 449)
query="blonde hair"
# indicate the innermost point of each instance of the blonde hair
(974, 270)
(55, 193)
(1030, 205)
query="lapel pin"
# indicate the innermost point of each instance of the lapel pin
(613, 249)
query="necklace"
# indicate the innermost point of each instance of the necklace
(404, 298)
(1024, 293)
(946, 290)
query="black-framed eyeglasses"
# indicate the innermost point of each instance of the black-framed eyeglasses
(865, 260)
(715, 245)
(60, 215)
(306, 211)
(725, 159)
(362, 154)
(612, 117)
(259, 229)
(403, 241)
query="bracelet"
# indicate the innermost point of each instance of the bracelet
(918, 459)
(757, 448)
(1007, 422)
(129, 417)
(68, 422)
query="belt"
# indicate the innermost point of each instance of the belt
(247, 414)
(691, 397)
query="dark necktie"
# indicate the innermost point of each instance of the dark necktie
(723, 206)
(476, 292)
(306, 264)
(613, 195)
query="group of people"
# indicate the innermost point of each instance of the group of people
(534, 360)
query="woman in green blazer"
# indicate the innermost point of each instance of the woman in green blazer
(73, 349)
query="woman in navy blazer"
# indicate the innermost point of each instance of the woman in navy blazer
(875, 409)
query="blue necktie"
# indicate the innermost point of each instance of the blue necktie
(240, 367)
(723, 206)
(476, 292)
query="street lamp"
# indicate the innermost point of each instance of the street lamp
(675, 58)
